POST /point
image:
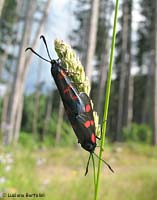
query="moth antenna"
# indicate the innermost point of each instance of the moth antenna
(104, 162)
(29, 48)
(86, 172)
(44, 40)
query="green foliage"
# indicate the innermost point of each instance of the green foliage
(15, 167)
(28, 113)
(105, 10)
(28, 141)
(145, 42)
(67, 135)
(1, 106)
(79, 32)
(9, 7)
(46, 170)
(8, 19)
(139, 99)
(138, 133)
(51, 125)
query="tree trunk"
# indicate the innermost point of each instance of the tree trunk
(103, 77)
(36, 113)
(4, 110)
(5, 57)
(15, 96)
(60, 120)
(36, 101)
(1, 6)
(21, 77)
(129, 109)
(155, 84)
(122, 70)
(147, 116)
(48, 113)
(18, 121)
(84, 35)
(128, 104)
(34, 43)
(92, 38)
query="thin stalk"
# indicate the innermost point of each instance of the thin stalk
(108, 87)
(94, 171)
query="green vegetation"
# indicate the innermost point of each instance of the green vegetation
(71, 62)
(107, 97)
(59, 172)
(138, 133)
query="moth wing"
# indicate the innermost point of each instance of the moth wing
(84, 127)
(88, 108)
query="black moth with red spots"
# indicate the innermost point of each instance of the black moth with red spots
(77, 106)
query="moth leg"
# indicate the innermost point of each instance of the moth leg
(99, 138)
(86, 172)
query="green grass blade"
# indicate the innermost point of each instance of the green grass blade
(107, 99)
(94, 171)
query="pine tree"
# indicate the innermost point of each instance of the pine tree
(79, 35)
(102, 50)
(146, 59)
(123, 63)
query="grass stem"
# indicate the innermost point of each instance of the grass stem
(108, 86)
(94, 171)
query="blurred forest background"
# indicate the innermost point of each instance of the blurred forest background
(31, 113)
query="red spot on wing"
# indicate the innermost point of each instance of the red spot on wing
(87, 124)
(74, 97)
(67, 89)
(92, 122)
(93, 138)
(88, 108)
